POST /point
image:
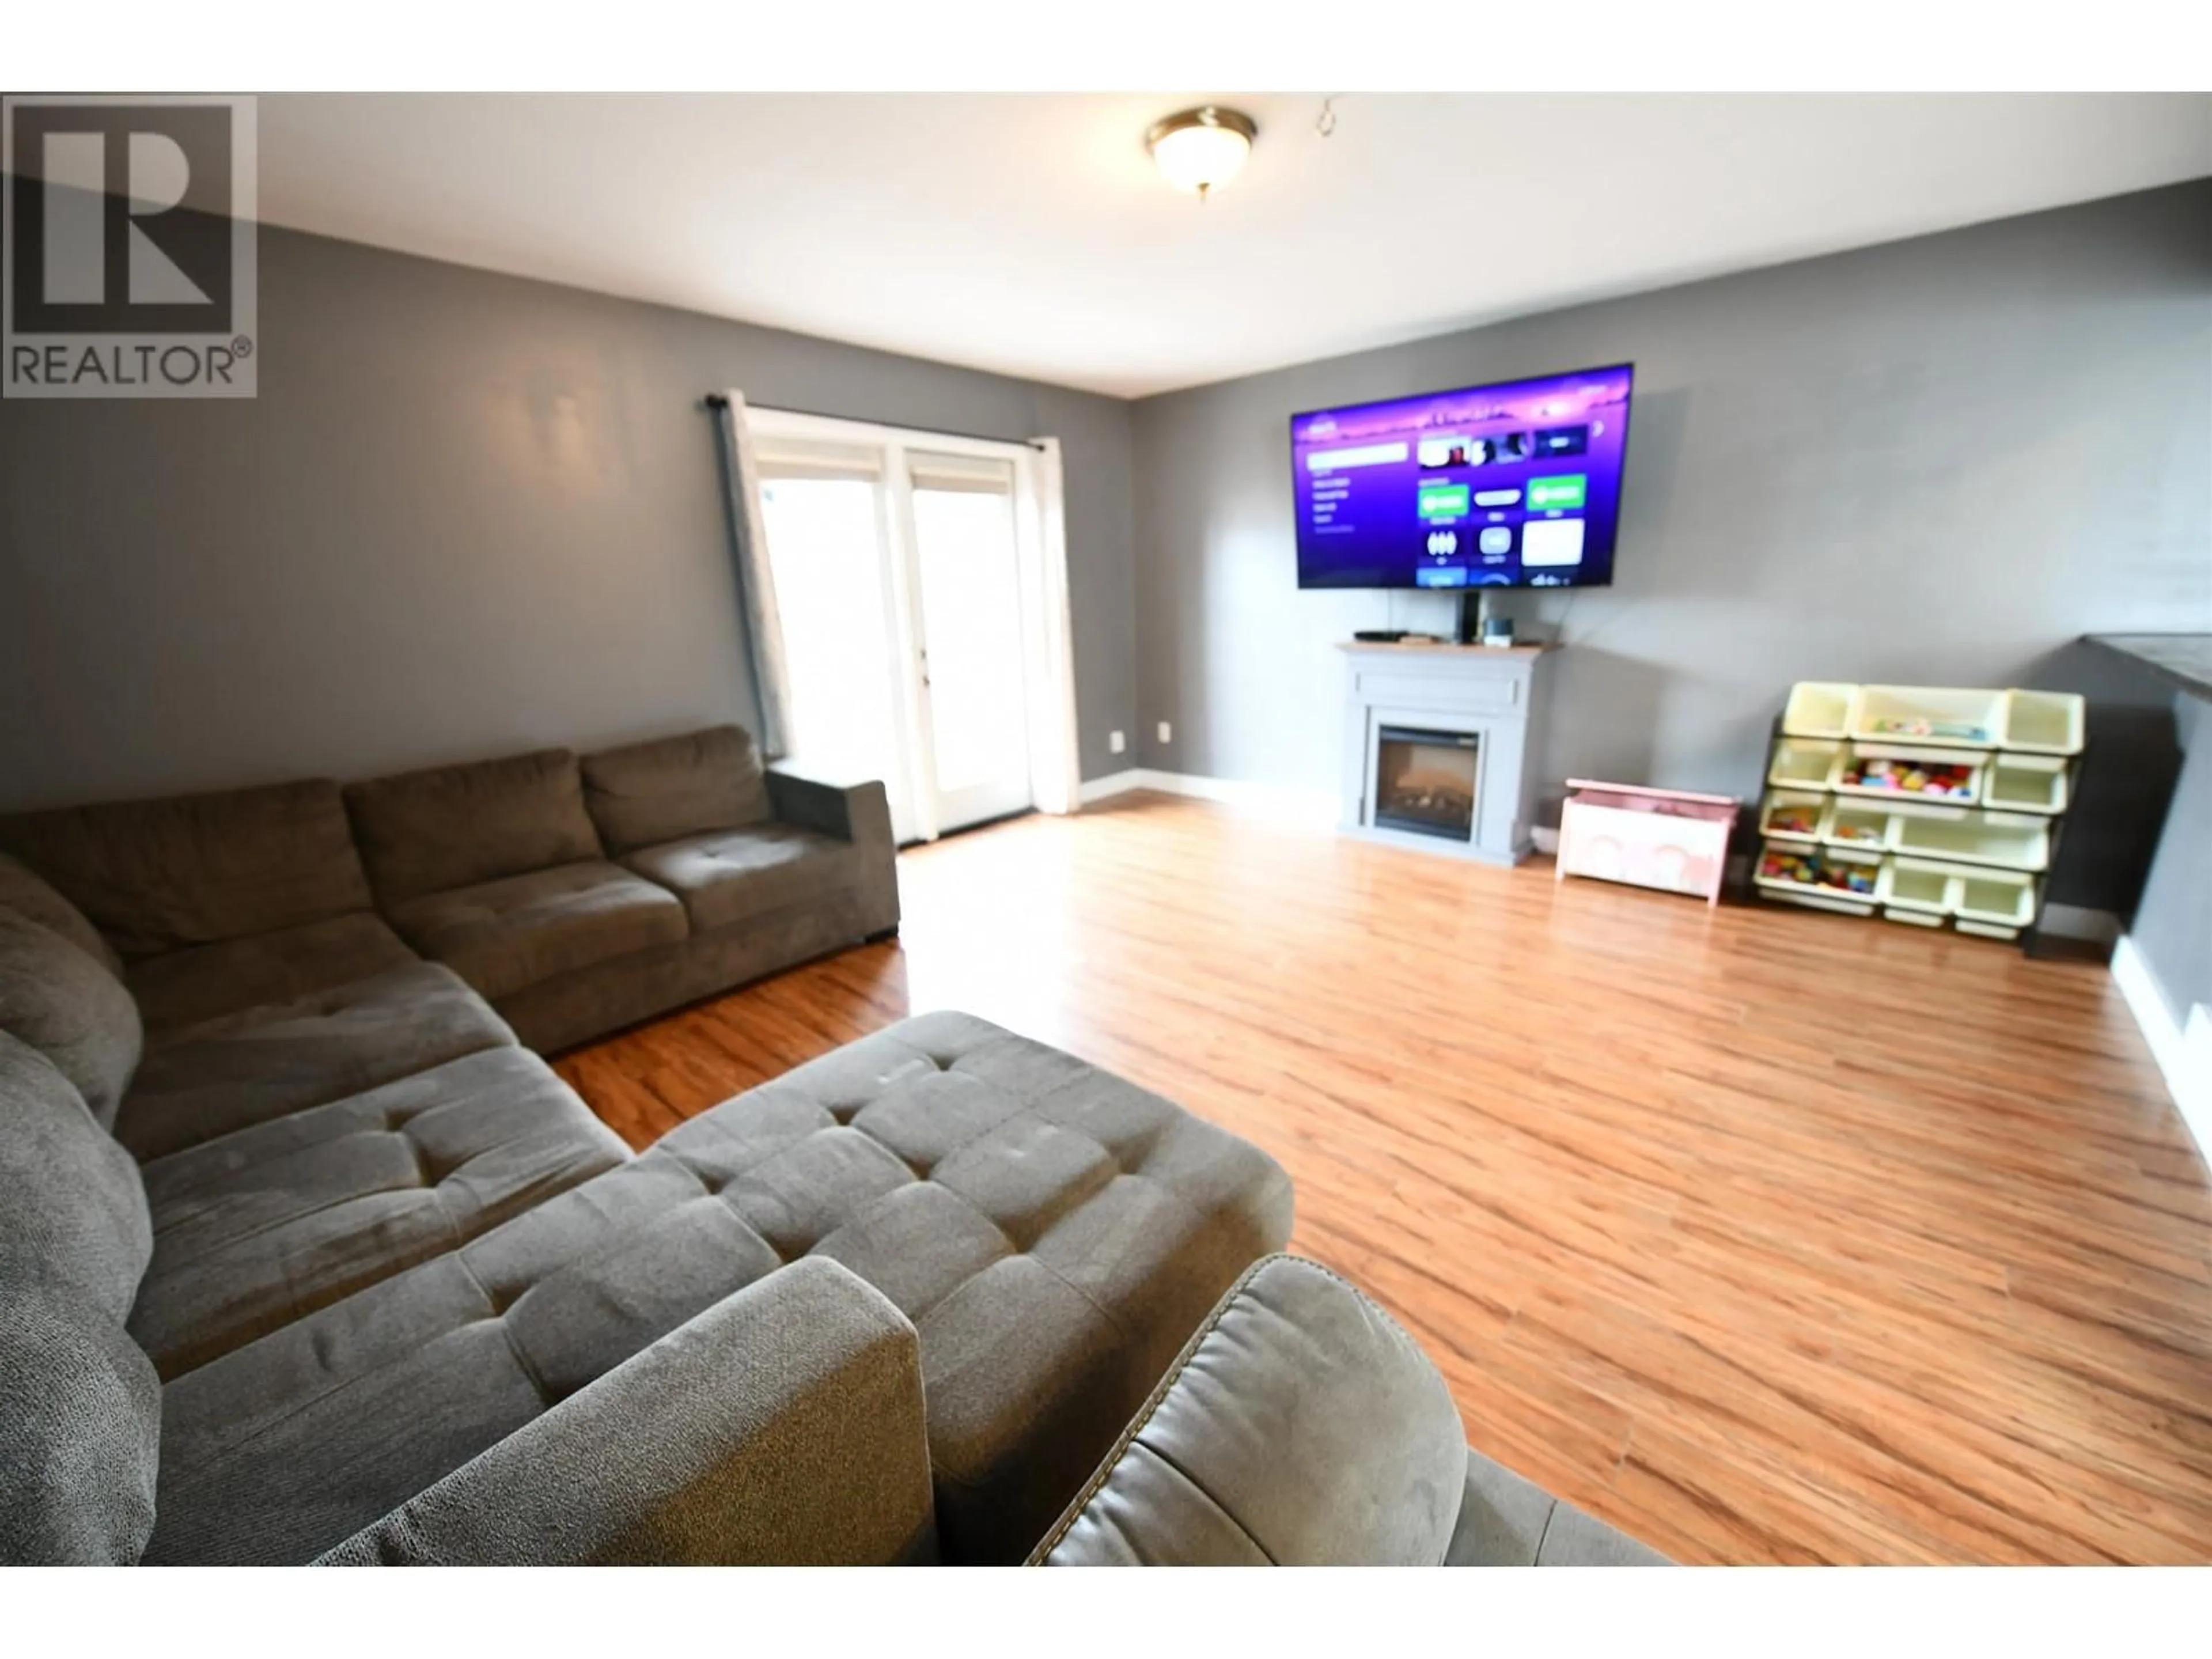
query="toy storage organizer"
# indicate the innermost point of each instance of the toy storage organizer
(1933, 806)
(2029, 722)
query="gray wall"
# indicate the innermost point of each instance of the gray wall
(470, 512)
(1927, 463)
(467, 513)
(2173, 924)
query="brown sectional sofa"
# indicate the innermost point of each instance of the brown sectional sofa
(369, 1236)
(575, 896)
(314, 1047)
(303, 1256)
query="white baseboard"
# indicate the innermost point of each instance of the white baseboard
(2183, 1050)
(1114, 783)
(1282, 802)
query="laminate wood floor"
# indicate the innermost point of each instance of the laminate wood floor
(1768, 1235)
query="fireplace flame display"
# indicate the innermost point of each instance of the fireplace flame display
(1425, 782)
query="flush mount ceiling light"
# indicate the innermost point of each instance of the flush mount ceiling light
(1199, 148)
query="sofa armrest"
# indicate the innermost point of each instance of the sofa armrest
(1300, 1426)
(783, 1426)
(850, 811)
(1505, 1521)
(859, 813)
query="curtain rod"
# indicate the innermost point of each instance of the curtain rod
(716, 400)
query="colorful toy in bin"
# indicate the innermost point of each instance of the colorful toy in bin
(1949, 730)
(1811, 870)
(1942, 806)
(1934, 778)
(1800, 819)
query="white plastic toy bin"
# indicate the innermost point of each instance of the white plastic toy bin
(1793, 814)
(1893, 772)
(2015, 840)
(1803, 762)
(1819, 709)
(2048, 722)
(1858, 823)
(1912, 918)
(1918, 885)
(1819, 863)
(1996, 898)
(2027, 783)
(1931, 714)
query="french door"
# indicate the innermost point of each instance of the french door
(909, 584)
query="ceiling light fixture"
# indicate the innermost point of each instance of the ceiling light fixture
(1200, 148)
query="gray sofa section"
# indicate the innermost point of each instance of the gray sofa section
(1302, 1427)
(79, 1405)
(576, 896)
(239, 980)
(158, 876)
(1051, 1233)
(370, 1241)
(1505, 1521)
(70, 1009)
(355, 1276)
(782, 1427)
(257, 1230)
(260, 1063)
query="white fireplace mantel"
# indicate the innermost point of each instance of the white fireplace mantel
(1493, 693)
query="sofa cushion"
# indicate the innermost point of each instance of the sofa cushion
(186, 987)
(228, 1074)
(652, 792)
(285, 1447)
(80, 1449)
(1039, 1332)
(70, 1009)
(79, 1403)
(1506, 1521)
(160, 875)
(1576, 1538)
(729, 876)
(73, 1215)
(501, 936)
(783, 1427)
(28, 893)
(1301, 1426)
(455, 826)
(258, 1228)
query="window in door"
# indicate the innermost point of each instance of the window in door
(969, 605)
(824, 532)
(918, 631)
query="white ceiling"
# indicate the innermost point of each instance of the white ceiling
(1029, 234)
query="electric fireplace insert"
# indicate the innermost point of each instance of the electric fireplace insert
(1425, 782)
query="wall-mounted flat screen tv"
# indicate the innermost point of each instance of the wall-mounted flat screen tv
(1511, 485)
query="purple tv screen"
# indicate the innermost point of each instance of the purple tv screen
(1511, 485)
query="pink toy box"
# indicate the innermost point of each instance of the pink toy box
(1663, 838)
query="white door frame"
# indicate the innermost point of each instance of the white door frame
(1041, 555)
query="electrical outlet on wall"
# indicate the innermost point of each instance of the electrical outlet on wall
(1115, 741)
(1167, 732)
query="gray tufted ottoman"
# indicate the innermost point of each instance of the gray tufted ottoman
(1053, 1233)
